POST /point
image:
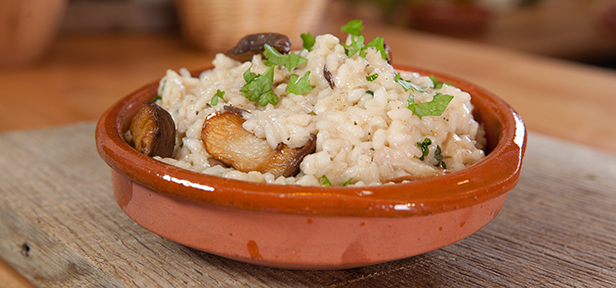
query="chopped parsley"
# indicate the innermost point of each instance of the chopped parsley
(370, 92)
(372, 77)
(309, 41)
(156, 98)
(354, 28)
(437, 84)
(300, 86)
(424, 148)
(439, 157)
(325, 181)
(436, 107)
(219, 95)
(356, 45)
(407, 85)
(258, 88)
(347, 183)
(274, 57)
(379, 44)
(249, 75)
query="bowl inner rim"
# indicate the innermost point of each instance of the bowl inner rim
(494, 175)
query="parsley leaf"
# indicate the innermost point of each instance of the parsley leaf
(219, 94)
(370, 92)
(300, 86)
(439, 157)
(435, 107)
(424, 148)
(268, 97)
(258, 88)
(379, 44)
(347, 183)
(274, 57)
(406, 85)
(437, 84)
(309, 41)
(325, 181)
(372, 77)
(357, 43)
(156, 98)
(249, 75)
(354, 27)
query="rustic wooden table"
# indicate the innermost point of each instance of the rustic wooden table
(59, 225)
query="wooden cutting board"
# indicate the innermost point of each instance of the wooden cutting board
(60, 227)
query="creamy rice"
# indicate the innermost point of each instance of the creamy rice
(367, 138)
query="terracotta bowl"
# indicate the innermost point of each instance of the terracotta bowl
(297, 227)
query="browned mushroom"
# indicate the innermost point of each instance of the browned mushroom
(388, 52)
(253, 44)
(153, 131)
(215, 162)
(236, 110)
(328, 77)
(226, 140)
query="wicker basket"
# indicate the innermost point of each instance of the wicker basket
(217, 25)
(27, 29)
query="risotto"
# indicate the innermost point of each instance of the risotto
(372, 124)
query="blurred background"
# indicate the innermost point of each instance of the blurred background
(577, 30)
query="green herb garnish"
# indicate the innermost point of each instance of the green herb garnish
(436, 107)
(439, 157)
(357, 43)
(325, 181)
(372, 77)
(370, 92)
(156, 98)
(300, 86)
(274, 57)
(407, 85)
(258, 88)
(347, 183)
(354, 28)
(308, 41)
(249, 75)
(379, 44)
(219, 94)
(437, 84)
(424, 148)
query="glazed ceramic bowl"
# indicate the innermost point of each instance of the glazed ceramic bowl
(296, 227)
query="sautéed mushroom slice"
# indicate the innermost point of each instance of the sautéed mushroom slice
(153, 131)
(227, 141)
(253, 44)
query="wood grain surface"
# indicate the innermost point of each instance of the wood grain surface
(61, 227)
